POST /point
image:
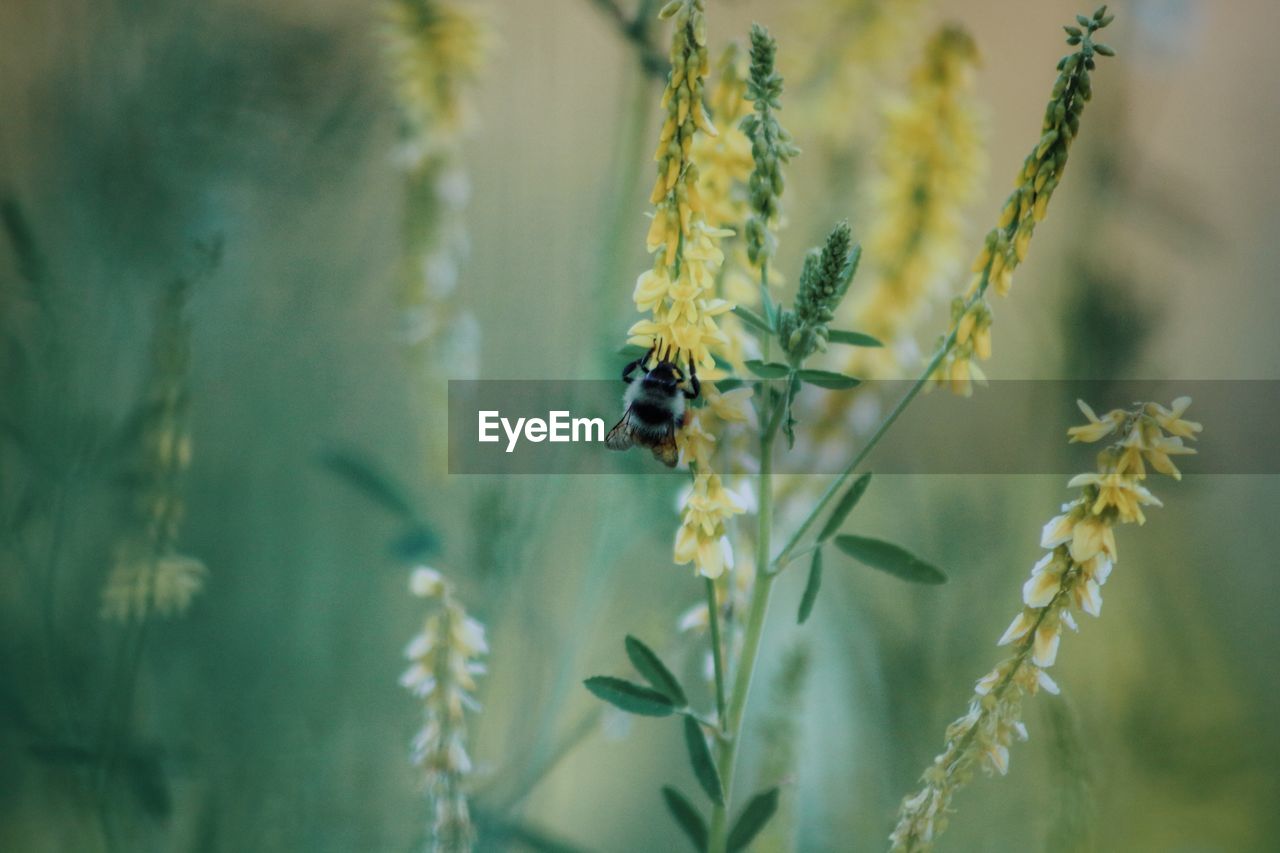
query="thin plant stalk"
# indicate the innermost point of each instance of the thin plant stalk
(630, 160)
(717, 653)
(731, 721)
(788, 550)
(770, 568)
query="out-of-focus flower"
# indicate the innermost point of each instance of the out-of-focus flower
(435, 51)
(852, 47)
(148, 574)
(724, 160)
(931, 163)
(444, 662)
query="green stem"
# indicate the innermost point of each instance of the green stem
(767, 571)
(728, 751)
(834, 489)
(717, 657)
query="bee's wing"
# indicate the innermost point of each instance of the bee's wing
(621, 437)
(666, 451)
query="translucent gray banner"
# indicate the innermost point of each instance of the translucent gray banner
(1007, 427)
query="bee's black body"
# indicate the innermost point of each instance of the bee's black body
(655, 408)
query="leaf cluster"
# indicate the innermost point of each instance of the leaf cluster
(664, 696)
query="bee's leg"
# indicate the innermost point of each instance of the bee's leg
(695, 387)
(641, 363)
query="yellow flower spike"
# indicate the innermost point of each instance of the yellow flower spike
(678, 294)
(1067, 580)
(1007, 246)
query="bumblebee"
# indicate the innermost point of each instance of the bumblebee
(654, 407)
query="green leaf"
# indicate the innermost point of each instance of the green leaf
(687, 816)
(629, 696)
(753, 819)
(768, 369)
(730, 384)
(26, 253)
(704, 767)
(752, 319)
(853, 339)
(847, 502)
(649, 665)
(811, 588)
(890, 558)
(828, 379)
(360, 472)
(416, 543)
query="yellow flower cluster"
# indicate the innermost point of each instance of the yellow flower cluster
(703, 536)
(931, 161)
(444, 662)
(435, 50)
(1081, 552)
(148, 574)
(679, 291)
(1007, 244)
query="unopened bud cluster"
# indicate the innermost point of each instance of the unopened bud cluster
(771, 146)
(824, 280)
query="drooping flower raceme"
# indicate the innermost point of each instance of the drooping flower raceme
(444, 662)
(1080, 553)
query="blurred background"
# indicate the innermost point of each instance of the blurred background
(208, 343)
